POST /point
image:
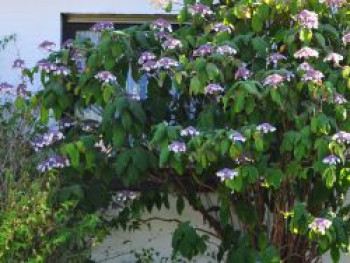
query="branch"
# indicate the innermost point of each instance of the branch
(174, 220)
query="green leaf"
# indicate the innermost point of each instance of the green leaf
(273, 177)
(164, 156)
(260, 46)
(180, 204)
(44, 115)
(330, 176)
(127, 120)
(195, 86)
(235, 184)
(107, 92)
(213, 71)
(187, 242)
(119, 136)
(259, 143)
(335, 254)
(73, 153)
(305, 36)
(257, 23)
(239, 101)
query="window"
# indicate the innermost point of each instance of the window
(74, 25)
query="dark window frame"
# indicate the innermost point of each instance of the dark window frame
(72, 22)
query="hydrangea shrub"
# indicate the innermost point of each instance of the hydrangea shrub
(246, 99)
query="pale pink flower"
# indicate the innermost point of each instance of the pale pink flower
(274, 58)
(220, 27)
(306, 52)
(313, 76)
(243, 73)
(213, 89)
(200, 9)
(308, 19)
(226, 50)
(106, 77)
(346, 39)
(331, 160)
(162, 25)
(172, 43)
(334, 57)
(320, 225)
(266, 128)
(177, 147)
(273, 79)
(203, 50)
(339, 99)
(189, 131)
(226, 174)
(305, 66)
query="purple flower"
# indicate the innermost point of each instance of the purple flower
(339, 99)
(47, 139)
(313, 76)
(320, 225)
(46, 66)
(237, 137)
(69, 43)
(226, 174)
(61, 71)
(162, 25)
(335, 4)
(146, 56)
(274, 58)
(149, 66)
(203, 50)
(213, 89)
(106, 77)
(161, 35)
(78, 54)
(22, 90)
(243, 73)
(189, 131)
(334, 57)
(305, 67)
(342, 137)
(53, 162)
(288, 75)
(331, 160)
(18, 63)
(308, 19)
(167, 63)
(220, 27)
(102, 26)
(226, 50)
(177, 147)
(6, 87)
(273, 79)
(47, 45)
(306, 53)
(346, 38)
(266, 128)
(200, 9)
(172, 43)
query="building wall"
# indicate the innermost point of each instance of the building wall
(38, 20)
